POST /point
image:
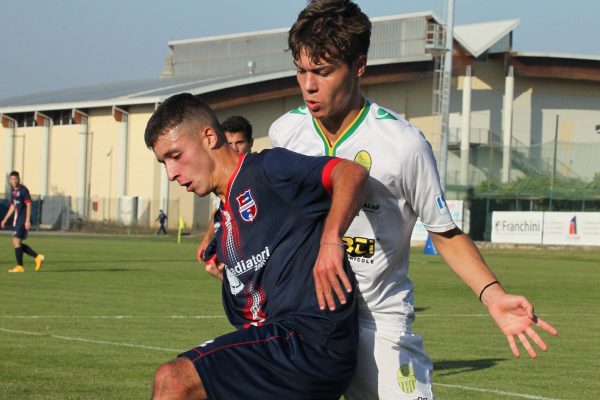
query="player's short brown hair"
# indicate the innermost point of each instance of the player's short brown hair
(176, 110)
(330, 30)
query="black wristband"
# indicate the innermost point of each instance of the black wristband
(487, 286)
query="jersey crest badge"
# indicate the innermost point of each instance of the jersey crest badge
(363, 158)
(248, 209)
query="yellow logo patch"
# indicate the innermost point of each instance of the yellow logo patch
(407, 379)
(363, 158)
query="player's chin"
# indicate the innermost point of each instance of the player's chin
(201, 192)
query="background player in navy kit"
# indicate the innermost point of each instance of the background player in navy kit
(20, 205)
(162, 220)
(282, 214)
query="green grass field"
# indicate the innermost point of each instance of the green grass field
(106, 311)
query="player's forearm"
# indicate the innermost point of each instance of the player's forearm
(10, 211)
(27, 212)
(349, 185)
(465, 260)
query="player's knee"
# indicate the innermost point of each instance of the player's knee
(177, 380)
(16, 243)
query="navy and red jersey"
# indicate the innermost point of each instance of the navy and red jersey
(19, 199)
(270, 228)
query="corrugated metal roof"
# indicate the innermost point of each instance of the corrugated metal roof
(392, 37)
(478, 38)
(543, 54)
(397, 38)
(126, 93)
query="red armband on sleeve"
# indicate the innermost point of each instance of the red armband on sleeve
(326, 174)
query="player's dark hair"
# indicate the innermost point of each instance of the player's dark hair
(237, 123)
(15, 173)
(330, 30)
(176, 110)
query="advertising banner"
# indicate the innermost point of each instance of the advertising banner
(572, 228)
(517, 227)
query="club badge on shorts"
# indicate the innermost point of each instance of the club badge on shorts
(406, 378)
(247, 206)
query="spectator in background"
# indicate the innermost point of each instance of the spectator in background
(162, 220)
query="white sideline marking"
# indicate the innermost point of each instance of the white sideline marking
(500, 392)
(223, 316)
(114, 316)
(487, 315)
(140, 346)
(75, 339)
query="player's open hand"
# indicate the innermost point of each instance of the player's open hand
(201, 249)
(514, 316)
(27, 225)
(214, 269)
(329, 274)
(2, 224)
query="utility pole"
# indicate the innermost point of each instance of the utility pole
(445, 95)
(554, 164)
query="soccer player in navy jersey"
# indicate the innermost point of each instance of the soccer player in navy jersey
(238, 132)
(20, 206)
(282, 214)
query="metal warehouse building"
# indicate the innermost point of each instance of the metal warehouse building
(512, 114)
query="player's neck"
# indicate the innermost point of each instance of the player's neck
(227, 165)
(333, 127)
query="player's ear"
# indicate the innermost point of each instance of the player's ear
(361, 65)
(211, 137)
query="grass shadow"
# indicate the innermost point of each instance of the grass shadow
(452, 367)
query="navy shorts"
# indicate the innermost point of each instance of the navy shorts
(20, 232)
(270, 362)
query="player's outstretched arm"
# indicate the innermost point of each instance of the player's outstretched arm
(28, 215)
(348, 190)
(513, 314)
(10, 211)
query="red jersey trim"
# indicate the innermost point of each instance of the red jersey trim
(27, 201)
(233, 176)
(212, 259)
(326, 174)
(258, 341)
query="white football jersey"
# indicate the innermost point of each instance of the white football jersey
(404, 184)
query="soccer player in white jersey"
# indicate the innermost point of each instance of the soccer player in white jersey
(329, 43)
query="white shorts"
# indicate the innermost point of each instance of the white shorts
(391, 365)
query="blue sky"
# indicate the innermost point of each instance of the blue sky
(48, 45)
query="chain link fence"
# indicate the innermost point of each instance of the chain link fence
(129, 214)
